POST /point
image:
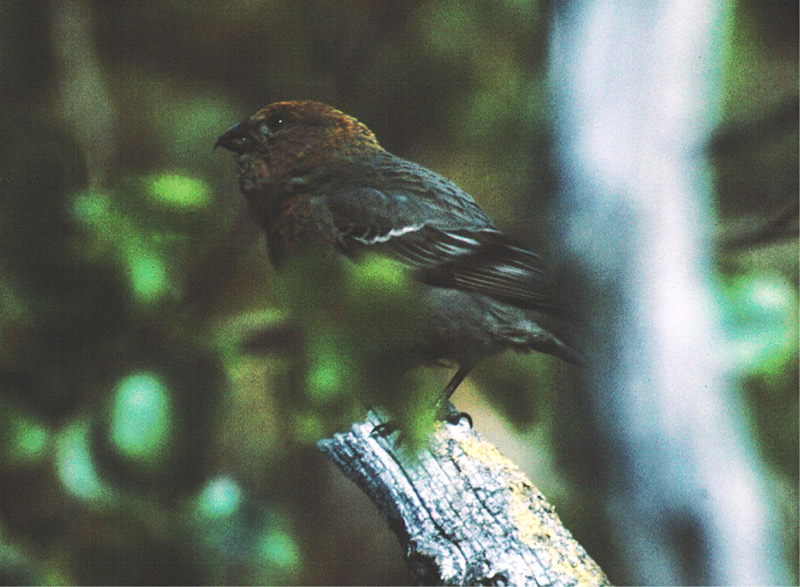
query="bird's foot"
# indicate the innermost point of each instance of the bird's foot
(385, 429)
(449, 414)
(456, 418)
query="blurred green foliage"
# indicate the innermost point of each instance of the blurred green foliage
(161, 388)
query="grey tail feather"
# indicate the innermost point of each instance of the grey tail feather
(562, 341)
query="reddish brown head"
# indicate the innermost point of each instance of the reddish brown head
(290, 150)
(290, 137)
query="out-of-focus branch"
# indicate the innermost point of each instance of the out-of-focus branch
(781, 226)
(84, 100)
(745, 134)
(464, 514)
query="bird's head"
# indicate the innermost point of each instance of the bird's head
(290, 136)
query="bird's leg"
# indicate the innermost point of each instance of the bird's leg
(444, 410)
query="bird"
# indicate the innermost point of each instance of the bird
(316, 177)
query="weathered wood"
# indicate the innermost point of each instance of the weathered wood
(464, 513)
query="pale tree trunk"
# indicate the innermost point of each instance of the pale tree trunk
(636, 91)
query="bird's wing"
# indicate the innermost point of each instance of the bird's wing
(438, 231)
(483, 261)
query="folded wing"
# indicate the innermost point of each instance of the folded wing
(437, 230)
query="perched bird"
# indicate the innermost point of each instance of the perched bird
(316, 176)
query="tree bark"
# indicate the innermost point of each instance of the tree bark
(464, 514)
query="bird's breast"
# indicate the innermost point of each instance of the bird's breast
(294, 226)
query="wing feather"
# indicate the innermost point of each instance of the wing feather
(429, 224)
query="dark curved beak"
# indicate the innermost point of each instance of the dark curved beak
(237, 139)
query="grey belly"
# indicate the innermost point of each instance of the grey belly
(465, 326)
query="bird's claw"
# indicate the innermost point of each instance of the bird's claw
(384, 429)
(447, 413)
(455, 418)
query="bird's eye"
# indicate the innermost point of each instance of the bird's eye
(273, 123)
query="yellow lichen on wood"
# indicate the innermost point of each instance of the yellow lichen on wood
(487, 453)
(534, 519)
